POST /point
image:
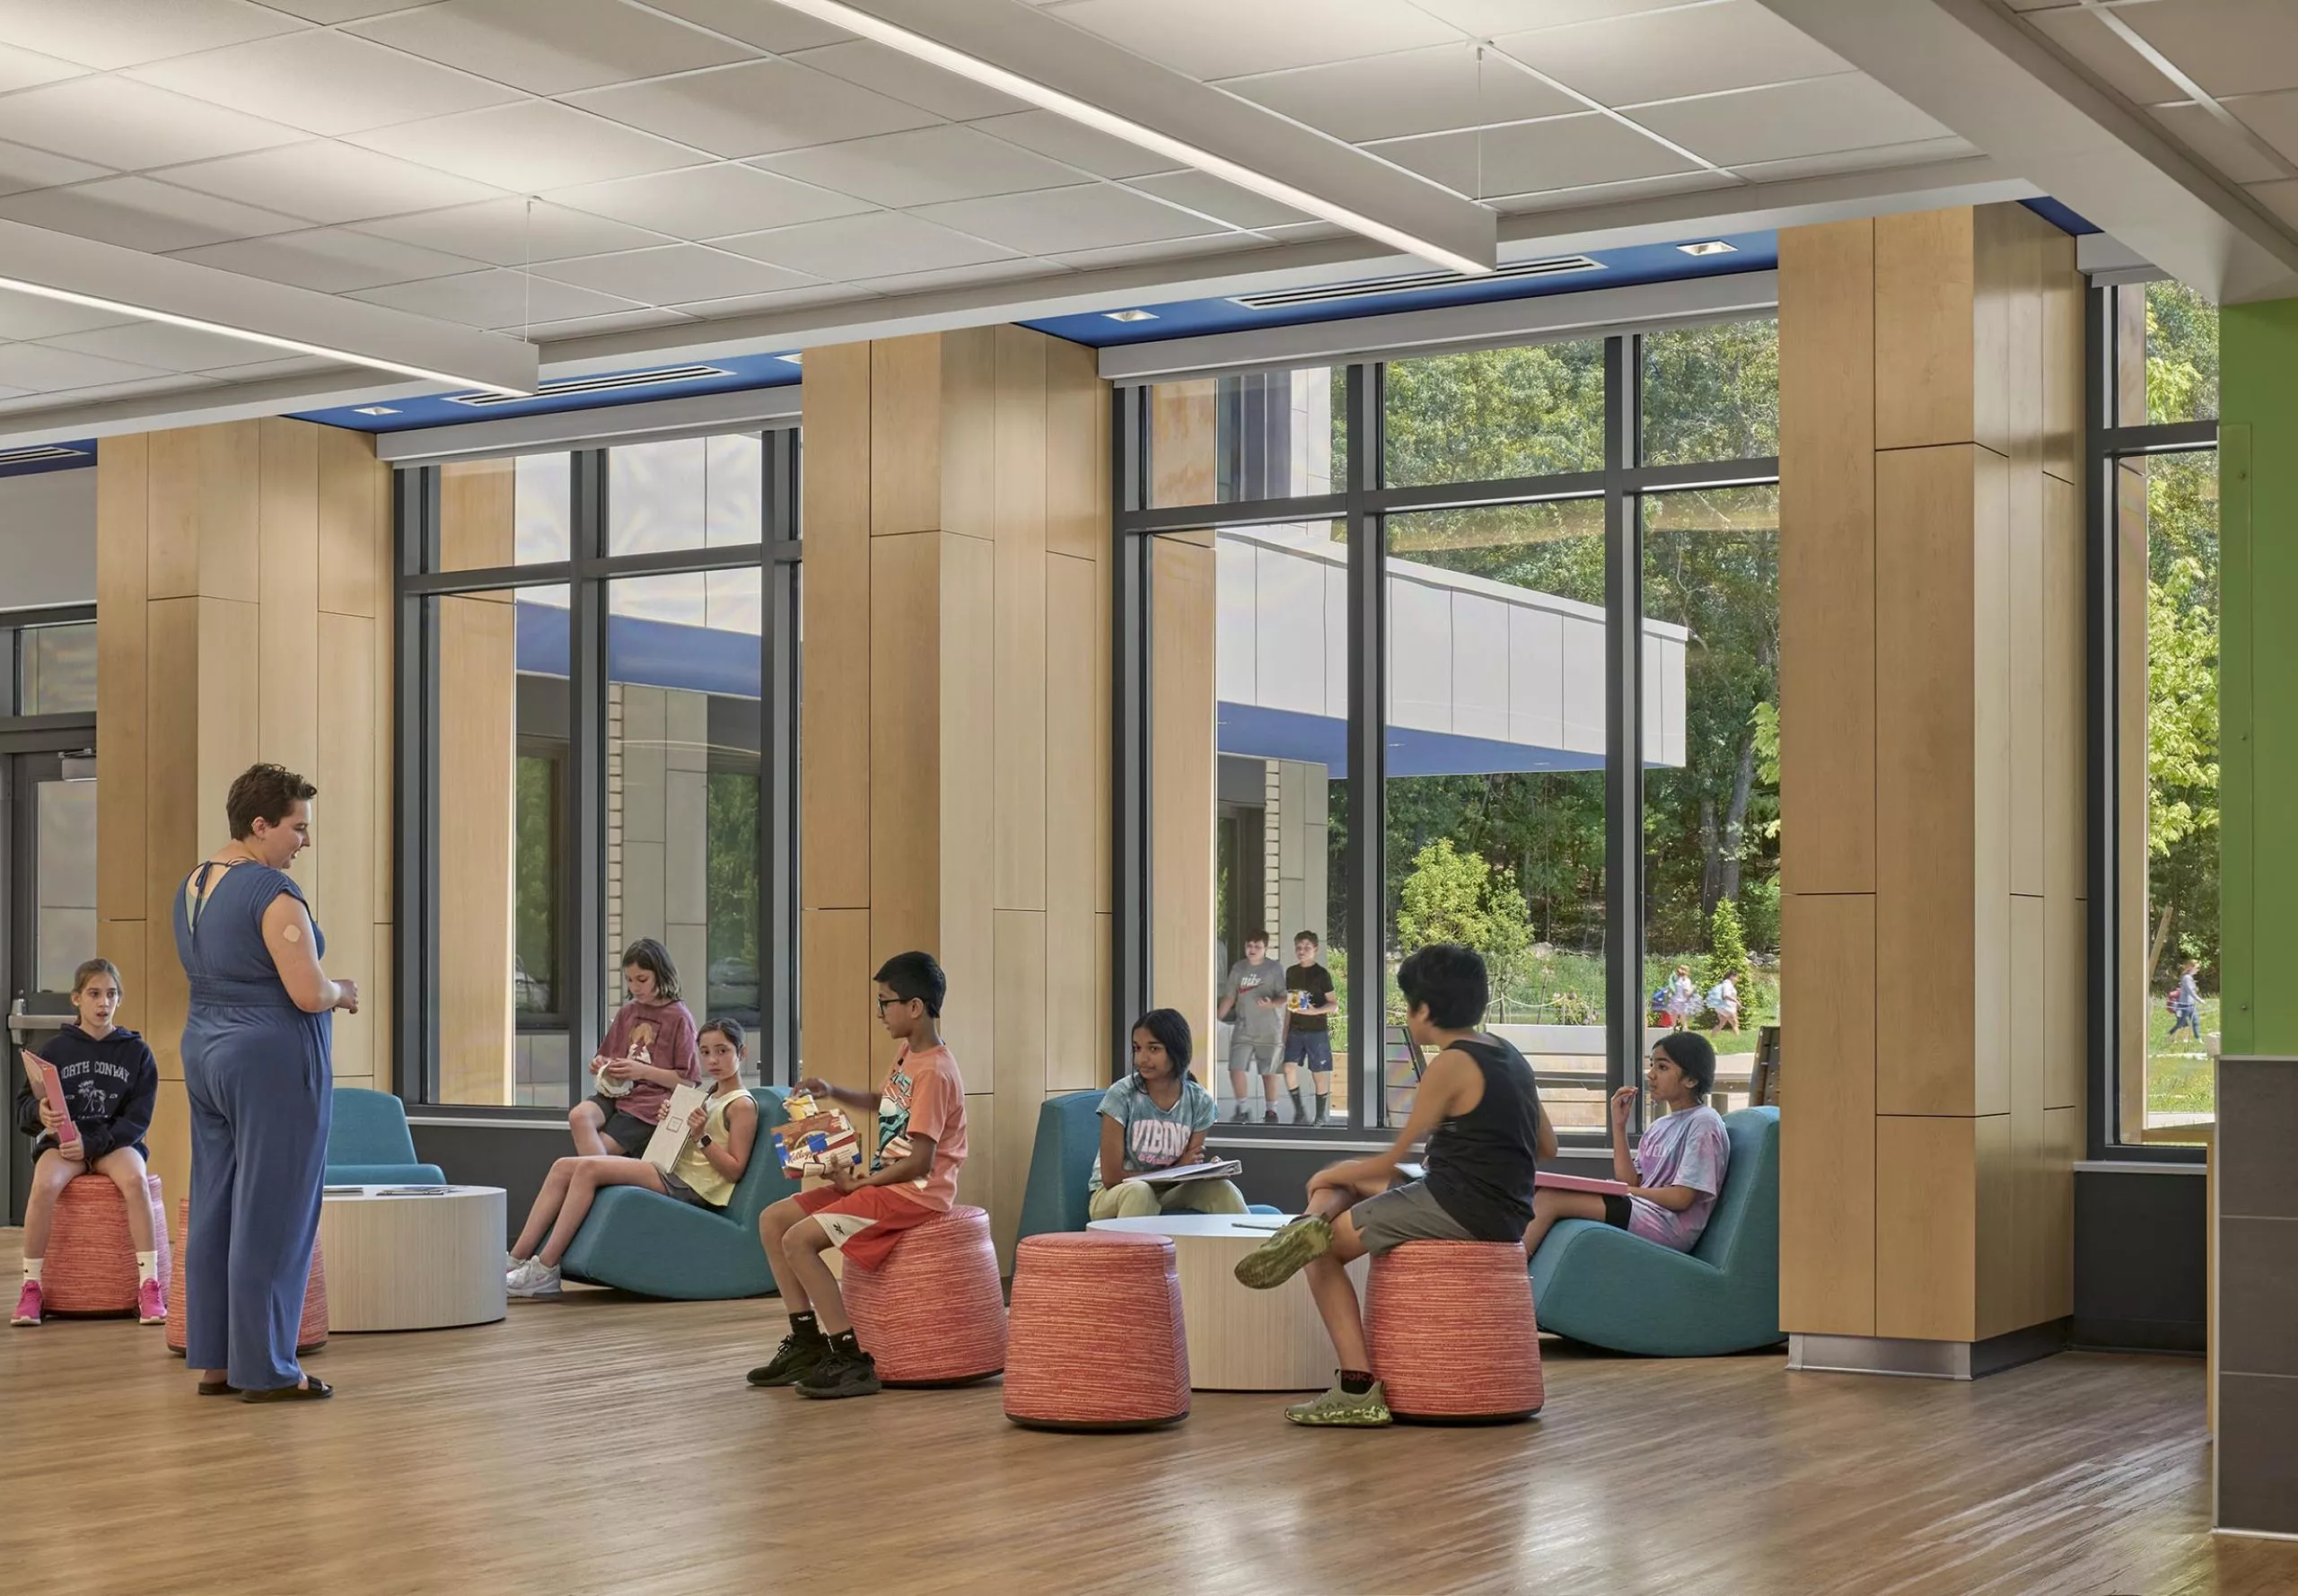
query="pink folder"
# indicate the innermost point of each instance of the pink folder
(1580, 1183)
(45, 1079)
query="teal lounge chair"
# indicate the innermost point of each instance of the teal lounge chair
(368, 1142)
(642, 1241)
(1608, 1288)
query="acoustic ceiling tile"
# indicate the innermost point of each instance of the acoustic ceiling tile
(553, 48)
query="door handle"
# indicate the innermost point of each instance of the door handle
(21, 1023)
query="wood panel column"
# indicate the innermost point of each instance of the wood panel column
(243, 585)
(1931, 703)
(954, 762)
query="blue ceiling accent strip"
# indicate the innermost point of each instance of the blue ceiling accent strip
(439, 409)
(2060, 217)
(1620, 268)
(84, 456)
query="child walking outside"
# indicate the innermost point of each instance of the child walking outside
(1252, 999)
(1480, 1112)
(110, 1082)
(2185, 1003)
(649, 1049)
(1155, 1118)
(1309, 1009)
(921, 1144)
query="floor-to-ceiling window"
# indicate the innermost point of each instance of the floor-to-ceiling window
(597, 745)
(2155, 713)
(1479, 646)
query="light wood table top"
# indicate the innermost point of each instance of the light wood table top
(1241, 1339)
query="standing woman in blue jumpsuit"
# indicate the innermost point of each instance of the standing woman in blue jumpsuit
(259, 1071)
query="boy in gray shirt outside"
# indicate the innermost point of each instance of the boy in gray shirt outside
(1252, 999)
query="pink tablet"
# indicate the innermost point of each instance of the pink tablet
(1581, 1183)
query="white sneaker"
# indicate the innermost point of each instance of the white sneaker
(539, 1280)
(515, 1270)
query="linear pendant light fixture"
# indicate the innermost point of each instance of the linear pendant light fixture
(136, 286)
(1018, 50)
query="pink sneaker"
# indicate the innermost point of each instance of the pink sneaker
(151, 1306)
(28, 1304)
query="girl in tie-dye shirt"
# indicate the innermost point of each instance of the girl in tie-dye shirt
(1676, 1172)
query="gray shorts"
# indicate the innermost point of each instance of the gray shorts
(683, 1192)
(1405, 1212)
(624, 1129)
(1252, 1055)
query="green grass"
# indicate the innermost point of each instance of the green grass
(1560, 989)
(2175, 1084)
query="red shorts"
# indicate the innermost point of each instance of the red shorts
(864, 1225)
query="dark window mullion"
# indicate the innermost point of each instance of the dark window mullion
(1365, 860)
(1623, 714)
(583, 880)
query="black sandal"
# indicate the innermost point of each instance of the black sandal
(313, 1389)
(218, 1388)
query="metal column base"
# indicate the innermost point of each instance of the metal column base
(1925, 1360)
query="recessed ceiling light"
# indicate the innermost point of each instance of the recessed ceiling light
(798, 359)
(862, 18)
(1130, 315)
(1714, 246)
(373, 410)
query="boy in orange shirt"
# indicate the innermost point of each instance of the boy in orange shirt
(921, 1144)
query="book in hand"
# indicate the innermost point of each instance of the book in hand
(1219, 1169)
(47, 1083)
(1580, 1183)
(669, 1140)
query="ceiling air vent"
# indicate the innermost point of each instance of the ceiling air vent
(1416, 282)
(617, 382)
(38, 452)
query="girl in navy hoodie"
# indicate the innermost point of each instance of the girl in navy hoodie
(109, 1081)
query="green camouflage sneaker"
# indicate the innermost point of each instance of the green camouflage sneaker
(1284, 1254)
(1341, 1407)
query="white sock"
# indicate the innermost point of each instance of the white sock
(147, 1266)
(31, 1271)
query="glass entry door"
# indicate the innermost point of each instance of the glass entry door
(50, 803)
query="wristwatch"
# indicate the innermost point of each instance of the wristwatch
(704, 1142)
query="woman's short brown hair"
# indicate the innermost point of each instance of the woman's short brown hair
(264, 792)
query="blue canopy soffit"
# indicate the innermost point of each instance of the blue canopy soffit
(1258, 733)
(657, 654)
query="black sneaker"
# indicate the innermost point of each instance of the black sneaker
(1269, 1117)
(797, 1358)
(841, 1374)
(1243, 1115)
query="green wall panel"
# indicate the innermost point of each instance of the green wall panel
(2258, 676)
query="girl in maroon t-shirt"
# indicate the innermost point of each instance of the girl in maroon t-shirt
(649, 1049)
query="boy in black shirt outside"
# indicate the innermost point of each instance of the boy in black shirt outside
(1309, 1006)
(1481, 1115)
(110, 1082)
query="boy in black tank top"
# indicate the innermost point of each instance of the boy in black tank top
(1480, 1113)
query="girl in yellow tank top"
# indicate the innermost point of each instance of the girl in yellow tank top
(719, 1138)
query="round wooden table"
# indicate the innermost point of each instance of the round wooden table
(400, 1261)
(1240, 1339)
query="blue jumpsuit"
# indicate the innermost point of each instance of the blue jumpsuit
(259, 1075)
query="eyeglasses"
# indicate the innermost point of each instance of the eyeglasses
(883, 1002)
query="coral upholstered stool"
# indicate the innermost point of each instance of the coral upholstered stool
(935, 1313)
(1451, 1325)
(1097, 1342)
(91, 1266)
(310, 1337)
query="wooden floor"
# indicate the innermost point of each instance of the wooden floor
(601, 1444)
